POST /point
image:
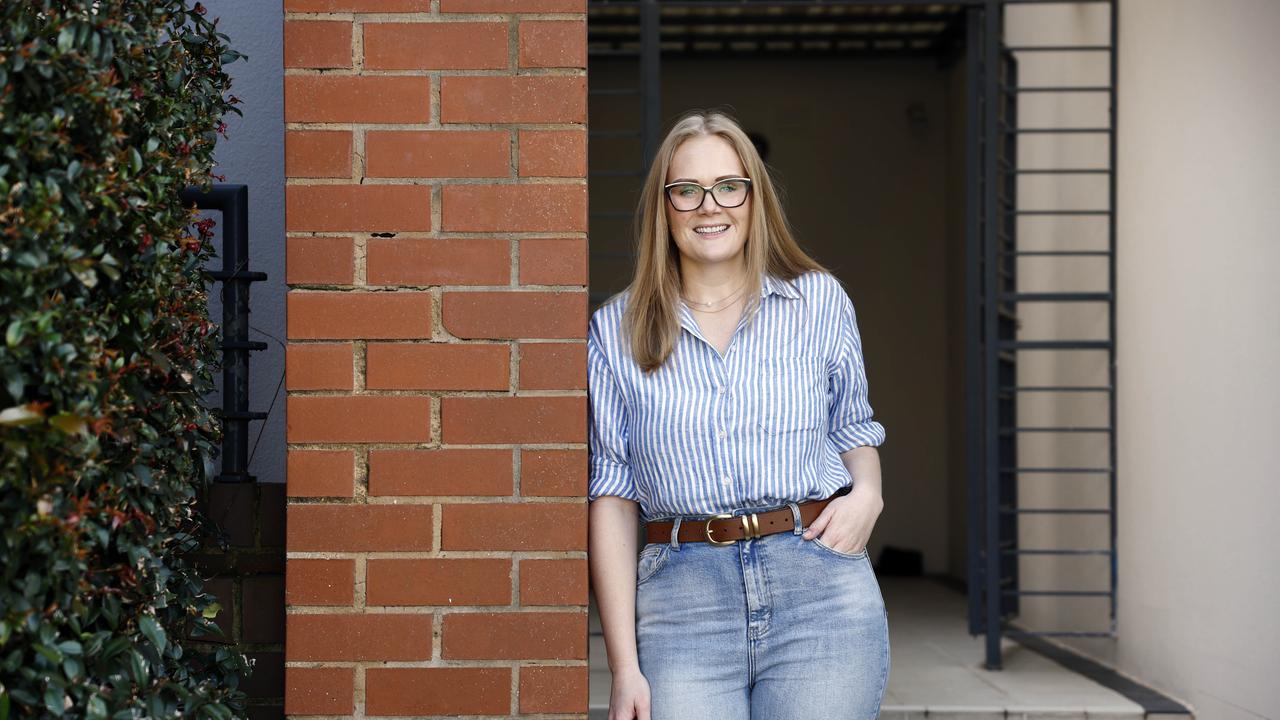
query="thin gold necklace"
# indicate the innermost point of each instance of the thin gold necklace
(705, 306)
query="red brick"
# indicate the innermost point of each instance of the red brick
(357, 419)
(317, 153)
(435, 46)
(453, 471)
(402, 366)
(422, 261)
(508, 315)
(553, 261)
(321, 473)
(553, 366)
(357, 99)
(351, 636)
(321, 366)
(553, 43)
(357, 208)
(513, 6)
(553, 689)
(319, 691)
(560, 473)
(553, 582)
(553, 153)
(317, 44)
(320, 261)
(359, 315)
(320, 582)
(363, 6)
(513, 526)
(514, 636)
(438, 153)
(561, 207)
(356, 528)
(438, 691)
(437, 581)
(513, 99)
(513, 420)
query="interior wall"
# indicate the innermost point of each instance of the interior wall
(860, 148)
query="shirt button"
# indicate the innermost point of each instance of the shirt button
(726, 480)
(720, 389)
(721, 434)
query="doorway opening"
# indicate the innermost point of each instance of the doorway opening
(874, 120)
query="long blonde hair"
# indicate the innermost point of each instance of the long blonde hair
(651, 321)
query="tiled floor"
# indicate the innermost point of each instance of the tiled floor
(936, 668)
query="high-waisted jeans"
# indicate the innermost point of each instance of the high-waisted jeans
(770, 628)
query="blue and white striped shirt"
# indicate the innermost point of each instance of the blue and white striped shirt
(762, 425)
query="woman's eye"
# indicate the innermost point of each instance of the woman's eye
(730, 187)
(686, 191)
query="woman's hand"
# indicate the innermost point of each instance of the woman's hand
(629, 698)
(845, 523)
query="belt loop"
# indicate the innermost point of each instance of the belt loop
(796, 528)
(675, 532)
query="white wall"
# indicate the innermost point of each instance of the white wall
(254, 155)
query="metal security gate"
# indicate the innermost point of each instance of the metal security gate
(999, 296)
(996, 322)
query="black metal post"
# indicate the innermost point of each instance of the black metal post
(974, 359)
(233, 202)
(990, 243)
(650, 79)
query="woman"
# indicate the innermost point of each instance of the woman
(728, 408)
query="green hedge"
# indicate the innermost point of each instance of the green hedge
(109, 109)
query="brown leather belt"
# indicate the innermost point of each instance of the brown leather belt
(724, 529)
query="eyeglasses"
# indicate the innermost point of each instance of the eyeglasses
(728, 193)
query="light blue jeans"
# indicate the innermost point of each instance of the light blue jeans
(771, 628)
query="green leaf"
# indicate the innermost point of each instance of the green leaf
(13, 335)
(66, 38)
(50, 653)
(95, 709)
(19, 415)
(55, 701)
(70, 423)
(211, 610)
(151, 628)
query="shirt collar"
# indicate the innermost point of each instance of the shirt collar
(770, 284)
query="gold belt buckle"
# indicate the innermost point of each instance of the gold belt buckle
(706, 530)
(750, 528)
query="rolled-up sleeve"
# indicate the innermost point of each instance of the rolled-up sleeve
(610, 472)
(850, 425)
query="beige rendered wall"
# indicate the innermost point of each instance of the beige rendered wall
(1199, 197)
(1199, 342)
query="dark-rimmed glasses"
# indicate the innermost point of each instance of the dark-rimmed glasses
(728, 193)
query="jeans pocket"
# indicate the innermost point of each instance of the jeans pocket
(651, 560)
(860, 555)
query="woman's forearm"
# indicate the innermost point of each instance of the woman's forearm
(863, 464)
(611, 549)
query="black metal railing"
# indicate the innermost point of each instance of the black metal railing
(233, 202)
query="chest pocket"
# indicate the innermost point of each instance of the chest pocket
(792, 393)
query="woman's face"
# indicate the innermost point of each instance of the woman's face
(707, 159)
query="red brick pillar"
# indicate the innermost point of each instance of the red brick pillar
(436, 216)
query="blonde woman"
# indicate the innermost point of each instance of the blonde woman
(729, 411)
